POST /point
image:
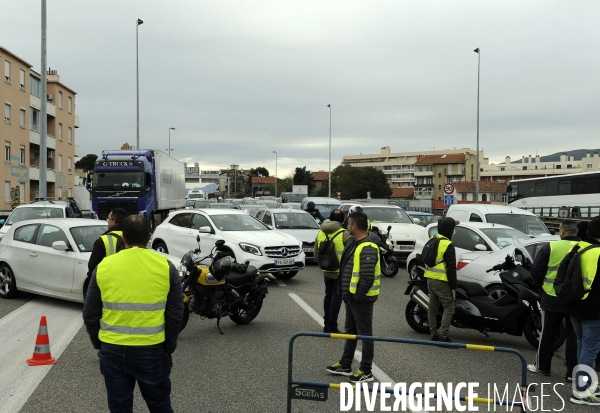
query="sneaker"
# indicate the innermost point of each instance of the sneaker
(337, 368)
(589, 400)
(447, 340)
(360, 377)
(532, 368)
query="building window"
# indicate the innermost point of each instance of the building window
(557, 166)
(7, 112)
(463, 196)
(69, 165)
(22, 154)
(7, 71)
(60, 131)
(22, 79)
(70, 135)
(59, 163)
(35, 85)
(60, 106)
(7, 192)
(484, 198)
(439, 187)
(524, 168)
(502, 169)
(70, 104)
(589, 166)
(22, 118)
(569, 166)
(6, 151)
(22, 193)
(35, 120)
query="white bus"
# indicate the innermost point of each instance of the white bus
(579, 193)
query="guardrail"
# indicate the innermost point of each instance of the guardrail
(318, 391)
(578, 212)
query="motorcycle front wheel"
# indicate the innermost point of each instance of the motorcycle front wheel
(532, 333)
(416, 317)
(244, 316)
(389, 269)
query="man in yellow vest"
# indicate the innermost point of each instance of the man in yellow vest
(110, 242)
(133, 313)
(441, 281)
(544, 271)
(585, 316)
(332, 303)
(360, 273)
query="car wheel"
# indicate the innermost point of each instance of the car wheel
(285, 275)
(8, 284)
(161, 247)
(496, 291)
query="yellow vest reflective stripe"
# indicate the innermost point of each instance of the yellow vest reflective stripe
(438, 272)
(134, 285)
(374, 290)
(110, 242)
(589, 267)
(338, 243)
(558, 250)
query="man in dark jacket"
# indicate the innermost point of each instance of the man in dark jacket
(585, 316)
(310, 208)
(441, 281)
(110, 242)
(544, 271)
(133, 312)
(360, 272)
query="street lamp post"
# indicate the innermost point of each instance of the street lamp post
(329, 106)
(137, 82)
(477, 154)
(170, 129)
(234, 167)
(275, 152)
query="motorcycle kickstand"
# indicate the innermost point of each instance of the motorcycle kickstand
(218, 324)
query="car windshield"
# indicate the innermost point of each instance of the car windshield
(425, 220)
(504, 237)
(238, 222)
(392, 215)
(291, 205)
(86, 236)
(202, 204)
(118, 180)
(528, 224)
(235, 201)
(22, 214)
(222, 206)
(326, 209)
(291, 220)
(249, 201)
(195, 196)
(268, 198)
(268, 204)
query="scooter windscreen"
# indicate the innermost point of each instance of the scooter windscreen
(522, 250)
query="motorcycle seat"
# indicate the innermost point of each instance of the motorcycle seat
(472, 289)
(237, 279)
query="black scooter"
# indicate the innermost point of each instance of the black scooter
(517, 313)
(389, 263)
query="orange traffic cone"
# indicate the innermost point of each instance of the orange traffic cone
(41, 352)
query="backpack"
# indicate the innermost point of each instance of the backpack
(328, 259)
(429, 253)
(569, 278)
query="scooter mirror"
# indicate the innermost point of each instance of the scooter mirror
(198, 238)
(219, 243)
(389, 228)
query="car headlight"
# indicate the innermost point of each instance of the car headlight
(252, 249)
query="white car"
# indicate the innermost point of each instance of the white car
(299, 224)
(247, 239)
(475, 239)
(404, 231)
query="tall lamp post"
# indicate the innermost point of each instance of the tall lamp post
(477, 154)
(329, 106)
(170, 129)
(43, 180)
(234, 167)
(275, 152)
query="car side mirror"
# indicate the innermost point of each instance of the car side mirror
(481, 247)
(204, 230)
(60, 246)
(416, 221)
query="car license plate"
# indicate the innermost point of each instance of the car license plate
(308, 249)
(286, 261)
(405, 247)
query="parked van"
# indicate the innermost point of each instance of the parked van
(196, 194)
(514, 217)
(324, 204)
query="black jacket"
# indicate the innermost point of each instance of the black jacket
(92, 311)
(539, 269)
(368, 260)
(316, 214)
(446, 228)
(99, 251)
(588, 309)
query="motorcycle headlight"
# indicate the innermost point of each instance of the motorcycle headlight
(389, 242)
(252, 249)
(181, 270)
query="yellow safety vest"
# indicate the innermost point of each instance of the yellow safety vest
(374, 290)
(110, 243)
(338, 243)
(589, 266)
(134, 285)
(438, 272)
(558, 250)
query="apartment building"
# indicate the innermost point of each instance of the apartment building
(433, 171)
(20, 94)
(399, 167)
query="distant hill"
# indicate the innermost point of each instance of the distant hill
(579, 154)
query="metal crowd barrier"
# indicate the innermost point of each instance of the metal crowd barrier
(318, 391)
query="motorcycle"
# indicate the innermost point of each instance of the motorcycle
(516, 313)
(389, 263)
(221, 288)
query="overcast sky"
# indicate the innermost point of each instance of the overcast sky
(241, 79)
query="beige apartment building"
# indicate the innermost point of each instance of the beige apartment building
(399, 167)
(433, 171)
(20, 94)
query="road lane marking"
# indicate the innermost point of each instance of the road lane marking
(17, 340)
(277, 281)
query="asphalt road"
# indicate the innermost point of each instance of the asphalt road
(245, 370)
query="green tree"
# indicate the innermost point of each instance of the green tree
(87, 162)
(285, 184)
(304, 177)
(354, 183)
(262, 171)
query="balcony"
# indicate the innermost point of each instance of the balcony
(76, 151)
(34, 174)
(456, 173)
(76, 121)
(35, 102)
(423, 185)
(403, 179)
(34, 137)
(424, 173)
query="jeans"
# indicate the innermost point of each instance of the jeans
(331, 304)
(359, 320)
(588, 344)
(123, 366)
(440, 292)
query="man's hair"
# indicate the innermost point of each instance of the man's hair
(359, 219)
(582, 227)
(136, 230)
(570, 227)
(337, 216)
(118, 214)
(357, 209)
(593, 230)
